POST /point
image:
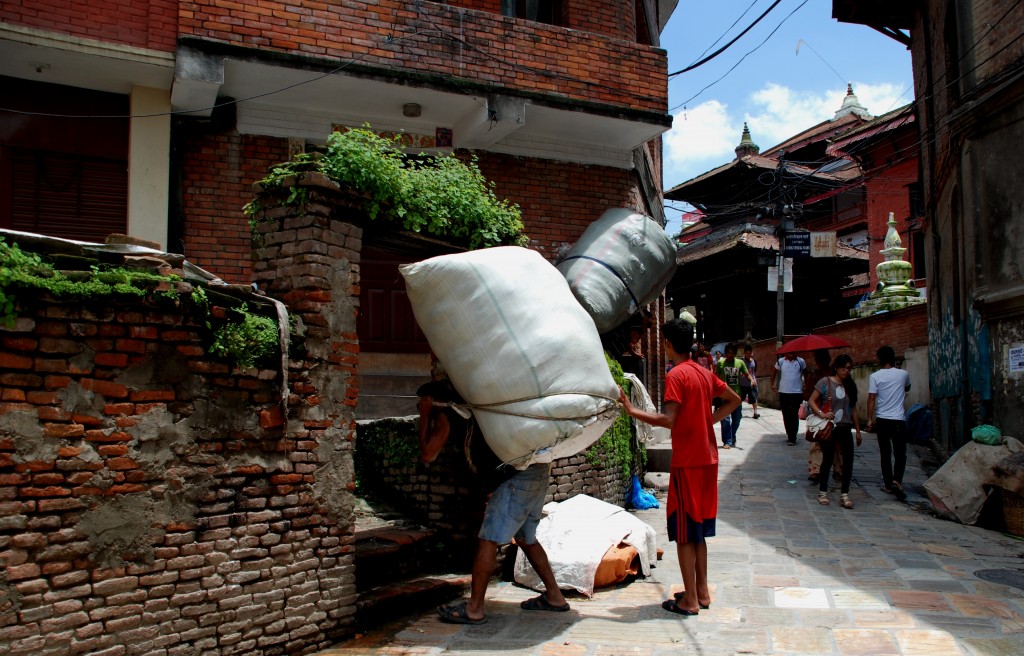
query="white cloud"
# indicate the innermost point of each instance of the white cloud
(701, 138)
(705, 136)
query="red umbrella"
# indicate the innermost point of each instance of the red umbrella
(812, 343)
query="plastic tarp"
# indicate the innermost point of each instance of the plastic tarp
(576, 534)
(518, 348)
(962, 485)
(621, 263)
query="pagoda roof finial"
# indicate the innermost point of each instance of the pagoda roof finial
(747, 145)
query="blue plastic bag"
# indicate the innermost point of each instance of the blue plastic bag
(638, 497)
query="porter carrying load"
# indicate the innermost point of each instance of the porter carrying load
(518, 348)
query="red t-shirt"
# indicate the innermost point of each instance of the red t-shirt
(693, 436)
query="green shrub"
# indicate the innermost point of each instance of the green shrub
(437, 194)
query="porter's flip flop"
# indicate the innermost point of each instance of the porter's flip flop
(457, 614)
(540, 602)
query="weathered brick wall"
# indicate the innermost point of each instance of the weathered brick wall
(156, 500)
(139, 23)
(559, 199)
(445, 495)
(901, 329)
(443, 40)
(218, 169)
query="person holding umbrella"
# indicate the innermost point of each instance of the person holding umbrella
(790, 371)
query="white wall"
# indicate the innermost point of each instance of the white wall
(149, 149)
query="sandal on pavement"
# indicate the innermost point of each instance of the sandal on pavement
(671, 606)
(540, 602)
(823, 498)
(845, 502)
(679, 595)
(457, 614)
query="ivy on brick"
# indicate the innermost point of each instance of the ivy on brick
(437, 194)
(618, 446)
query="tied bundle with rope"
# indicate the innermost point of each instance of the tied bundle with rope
(620, 264)
(518, 348)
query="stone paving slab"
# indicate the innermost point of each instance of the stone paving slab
(788, 576)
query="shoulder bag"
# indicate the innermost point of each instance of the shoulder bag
(819, 429)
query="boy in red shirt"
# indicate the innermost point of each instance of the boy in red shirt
(693, 484)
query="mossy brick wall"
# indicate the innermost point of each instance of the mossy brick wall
(154, 500)
(444, 495)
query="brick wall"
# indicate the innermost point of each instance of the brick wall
(155, 500)
(139, 23)
(218, 170)
(439, 39)
(901, 329)
(444, 495)
(558, 199)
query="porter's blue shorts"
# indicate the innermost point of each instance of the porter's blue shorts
(515, 507)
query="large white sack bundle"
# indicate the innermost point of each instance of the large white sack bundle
(518, 348)
(621, 263)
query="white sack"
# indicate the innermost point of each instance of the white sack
(518, 348)
(576, 534)
(621, 263)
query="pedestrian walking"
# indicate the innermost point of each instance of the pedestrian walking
(788, 383)
(748, 384)
(733, 371)
(822, 367)
(840, 392)
(692, 506)
(887, 395)
(512, 512)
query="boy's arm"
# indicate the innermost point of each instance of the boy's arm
(666, 419)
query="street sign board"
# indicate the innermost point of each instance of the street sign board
(798, 244)
(823, 244)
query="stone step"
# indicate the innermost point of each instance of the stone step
(398, 599)
(388, 554)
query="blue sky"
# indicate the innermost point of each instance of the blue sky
(794, 81)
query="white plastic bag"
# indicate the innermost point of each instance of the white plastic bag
(518, 348)
(621, 263)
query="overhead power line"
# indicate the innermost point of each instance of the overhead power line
(726, 46)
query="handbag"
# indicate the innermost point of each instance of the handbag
(819, 429)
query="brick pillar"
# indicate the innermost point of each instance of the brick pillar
(308, 258)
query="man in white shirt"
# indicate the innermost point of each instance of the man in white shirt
(887, 393)
(788, 383)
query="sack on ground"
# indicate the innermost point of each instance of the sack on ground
(620, 264)
(518, 348)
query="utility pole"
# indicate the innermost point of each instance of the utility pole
(786, 210)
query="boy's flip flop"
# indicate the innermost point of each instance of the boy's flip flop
(540, 602)
(671, 606)
(457, 614)
(679, 595)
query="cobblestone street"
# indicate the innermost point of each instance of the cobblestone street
(788, 577)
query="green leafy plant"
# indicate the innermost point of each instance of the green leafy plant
(26, 273)
(247, 340)
(437, 194)
(618, 445)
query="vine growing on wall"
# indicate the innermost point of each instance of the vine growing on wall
(437, 194)
(618, 445)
